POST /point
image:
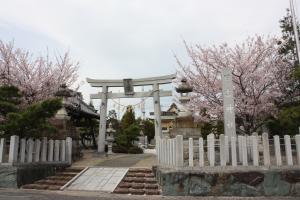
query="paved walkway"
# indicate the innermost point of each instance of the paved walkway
(99, 179)
(13, 194)
(92, 158)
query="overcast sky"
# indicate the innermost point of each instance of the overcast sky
(133, 38)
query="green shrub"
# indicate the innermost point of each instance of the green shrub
(135, 150)
(119, 149)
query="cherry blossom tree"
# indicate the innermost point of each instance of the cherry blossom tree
(260, 77)
(38, 78)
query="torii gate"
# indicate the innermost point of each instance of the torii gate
(128, 85)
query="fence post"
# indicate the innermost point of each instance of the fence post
(288, 150)
(164, 151)
(2, 149)
(56, 150)
(13, 149)
(171, 152)
(266, 151)
(191, 152)
(227, 149)
(240, 148)
(255, 154)
(22, 150)
(201, 152)
(168, 152)
(160, 151)
(297, 138)
(62, 150)
(174, 151)
(233, 151)
(44, 149)
(50, 151)
(244, 151)
(223, 156)
(277, 150)
(30, 144)
(211, 149)
(179, 151)
(37, 150)
(69, 150)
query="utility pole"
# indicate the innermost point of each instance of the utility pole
(295, 27)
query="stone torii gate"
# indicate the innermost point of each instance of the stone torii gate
(128, 85)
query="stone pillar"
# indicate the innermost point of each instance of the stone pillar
(30, 144)
(44, 149)
(50, 151)
(22, 150)
(157, 111)
(277, 150)
(62, 150)
(233, 151)
(191, 152)
(69, 150)
(297, 138)
(244, 151)
(288, 150)
(37, 150)
(201, 152)
(2, 149)
(56, 150)
(179, 151)
(102, 126)
(13, 149)
(255, 154)
(223, 157)
(266, 151)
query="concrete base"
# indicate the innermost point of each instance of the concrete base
(16, 176)
(228, 181)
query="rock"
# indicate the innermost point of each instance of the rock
(273, 185)
(199, 186)
(291, 176)
(249, 178)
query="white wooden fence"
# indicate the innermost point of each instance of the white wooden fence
(44, 151)
(243, 150)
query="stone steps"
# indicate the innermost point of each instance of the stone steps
(54, 182)
(138, 181)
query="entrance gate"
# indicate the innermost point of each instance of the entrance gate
(128, 85)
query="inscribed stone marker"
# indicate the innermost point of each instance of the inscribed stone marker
(228, 103)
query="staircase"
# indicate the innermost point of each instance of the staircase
(54, 182)
(138, 181)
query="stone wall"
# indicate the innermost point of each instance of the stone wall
(16, 176)
(218, 181)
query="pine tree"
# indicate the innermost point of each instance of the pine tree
(128, 118)
(30, 121)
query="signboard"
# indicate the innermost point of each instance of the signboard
(228, 103)
(128, 86)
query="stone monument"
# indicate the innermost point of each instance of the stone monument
(228, 103)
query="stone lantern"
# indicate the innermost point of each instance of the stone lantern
(110, 138)
(184, 89)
